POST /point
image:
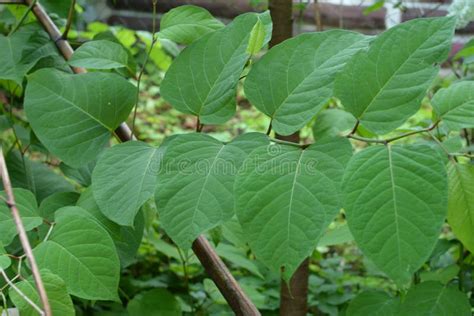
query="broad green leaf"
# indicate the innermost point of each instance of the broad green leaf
(286, 197)
(56, 201)
(373, 303)
(384, 86)
(237, 257)
(337, 236)
(195, 184)
(81, 175)
(61, 8)
(455, 105)
(74, 115)
(4, 259)
(126, 239)
(20, 52)
(442, 275)
(432, 298)
(333, 122)
(154, 302)
(28, 208)
(59, 299)
(124, 179)
(11, 66)
(396, 203)
(35, 176)
(203, 78)
(232, 231)
(82, 253)
(187, 23)
(461, 202)
(100, 54)
(293, 81)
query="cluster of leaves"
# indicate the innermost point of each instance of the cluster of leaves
(278, 198)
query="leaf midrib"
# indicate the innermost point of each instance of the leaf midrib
(392, 75)
(61, 97)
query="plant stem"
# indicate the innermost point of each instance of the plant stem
(69, 19)
(23, 17)
(16, 289)
(142, 70)
(22, 235)
(389, 140)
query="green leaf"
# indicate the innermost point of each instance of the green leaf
(187, 23)
(461, 202)
(82, 253)
(126, 239)
(61, 8)
(442, 275)
(100, 54)
(124, 179)
(395, 203)
(59, 300)
(28, 208)
(74, 115)
(286, 197)
(432, 298)
(54, 202)
(333, 122)
(154, 302)
(4, 259)
(374, 7)
(293, 81)
(455, 105)
(384, 86)
(35, 176)
(337, 236)
(257, 38)
(11, 64)
(195, 184)
(237, 257)
(81, 175)
(202, 80)
(373, 303)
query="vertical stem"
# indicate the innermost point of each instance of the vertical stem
(294, 296)
(22, 235)
(69, 19)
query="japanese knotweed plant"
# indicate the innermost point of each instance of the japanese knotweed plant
(396, 196)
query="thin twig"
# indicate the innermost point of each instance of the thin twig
(70, 16)
(23, 17)
(142, 70)
(389, 140)
(22, 235)
(26, 298)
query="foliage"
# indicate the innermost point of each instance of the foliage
(113, 223)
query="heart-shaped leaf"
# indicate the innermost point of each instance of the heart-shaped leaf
(74, 115)
(195, 184)
(293, 81)
(455, 105)
(286, 197)
(395, 203)
(384, 86)
(82, 253)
